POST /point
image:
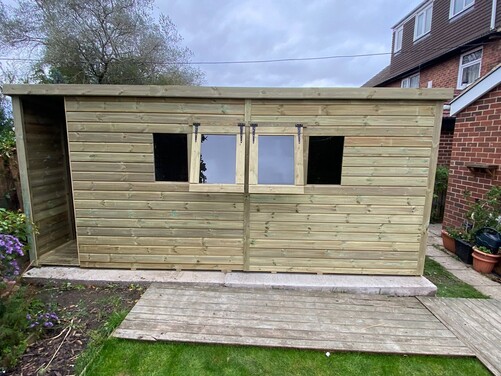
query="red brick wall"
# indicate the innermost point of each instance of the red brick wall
(477, 139)
(445, 73)
(445, 148)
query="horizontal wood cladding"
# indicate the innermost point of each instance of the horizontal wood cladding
(370, 224)
(126, 219)
(48, 175)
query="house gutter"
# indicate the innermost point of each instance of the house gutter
(493, 14)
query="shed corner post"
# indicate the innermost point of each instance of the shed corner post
(17, 108)
(430, 187)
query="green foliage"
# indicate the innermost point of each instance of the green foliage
(448, 286)
(481, 248)
(454, 232)
(7, 135)
(486, 212)
(14, 223)
(98, 42)
(13, 327)
(441, 179)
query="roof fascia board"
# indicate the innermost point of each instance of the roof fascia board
(172, 91)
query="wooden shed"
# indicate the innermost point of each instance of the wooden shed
(254, 179)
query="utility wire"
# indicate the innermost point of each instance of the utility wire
(264, 61)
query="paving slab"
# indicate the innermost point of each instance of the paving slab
(383, 285)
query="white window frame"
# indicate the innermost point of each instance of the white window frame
(465, 7)
(196, 147)
(422, 12)
(398, 39)
(462, 66)
(299, 179)
(407, 81)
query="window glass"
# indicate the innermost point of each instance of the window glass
(398, 39)
(218, 159)
(325, 159)
(171, 156)
(457, 6)
(422, 21)
(469, 68)
(276, 160)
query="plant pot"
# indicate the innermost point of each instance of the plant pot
(484, 262)
(448, 241)
(464, 251)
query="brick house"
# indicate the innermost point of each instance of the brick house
(476, 149)
(452, 44)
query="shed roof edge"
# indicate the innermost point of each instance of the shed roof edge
(228, 92)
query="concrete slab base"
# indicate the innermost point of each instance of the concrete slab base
(353, 284)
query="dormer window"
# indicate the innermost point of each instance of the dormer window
(397, 44)
(458, 6)
(469, 68)
(422, 25)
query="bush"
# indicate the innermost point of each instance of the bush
(10, 250)
(14, 223)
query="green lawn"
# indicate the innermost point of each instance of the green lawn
(127, 358)
(116, 357)
(447, 284)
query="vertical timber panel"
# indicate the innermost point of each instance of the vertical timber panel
(17, 107)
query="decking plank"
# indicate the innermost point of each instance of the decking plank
(468, 320)
(285, 318)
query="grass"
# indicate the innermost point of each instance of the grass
(448, 286)
(123, 358)
(117, 357)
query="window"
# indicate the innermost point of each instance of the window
(458, 6)
(218, 159)
(410, 82)
(422, 22)
(469, 68)
(276, 159)
(325, 159)
(397, 44)
(171, 156)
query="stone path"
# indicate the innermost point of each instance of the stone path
(458, 268)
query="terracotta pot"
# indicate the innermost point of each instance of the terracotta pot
(449, 242)
(484, 262)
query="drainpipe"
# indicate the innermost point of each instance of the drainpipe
(493, 14)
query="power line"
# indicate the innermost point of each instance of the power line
(266, 61)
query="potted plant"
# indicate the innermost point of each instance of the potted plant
(449, 236)
(484, 259)
(464, 248)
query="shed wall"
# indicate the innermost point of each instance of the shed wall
(47, 164)
(373, 223)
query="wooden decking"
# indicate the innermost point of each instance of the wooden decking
(64, 255)
(477, 322)
(285, 318)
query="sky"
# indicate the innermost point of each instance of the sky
(233, 30)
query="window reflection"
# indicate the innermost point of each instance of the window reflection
(218, 159)
(276, 160)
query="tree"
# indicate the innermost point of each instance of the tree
(98, 42)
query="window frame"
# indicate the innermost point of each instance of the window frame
(423, 12)
(409, 79)
(462, 66)
(299, 174)
(399, 31)
(464, 8)
(195, 152)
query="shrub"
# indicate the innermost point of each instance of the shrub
(14, 223)
(10, 250)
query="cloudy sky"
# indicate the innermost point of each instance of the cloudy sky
(231, 30)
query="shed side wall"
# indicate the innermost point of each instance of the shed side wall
(47, 169)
